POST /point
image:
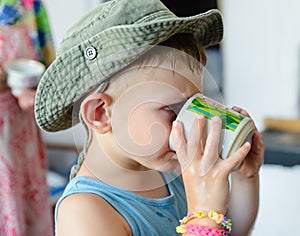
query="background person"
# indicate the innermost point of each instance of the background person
(24, 201)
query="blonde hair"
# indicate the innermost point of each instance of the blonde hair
(187, 43)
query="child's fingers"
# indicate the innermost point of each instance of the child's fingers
(179, 142)
(229, 164)
(241, 110)
(211, 151)
(195, 138)
(257, 143)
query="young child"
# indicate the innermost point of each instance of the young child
(110, 75)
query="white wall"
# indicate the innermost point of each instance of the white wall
(64, 13)
(279, 199)
(262, 57)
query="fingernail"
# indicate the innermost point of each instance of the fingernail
(216, 119)
(200, 117)
(259, 145)
(175, 123)
(247, 144)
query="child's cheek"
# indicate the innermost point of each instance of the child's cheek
(147, 133)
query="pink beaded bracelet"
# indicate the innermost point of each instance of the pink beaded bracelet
(217, 217)
(203, 230)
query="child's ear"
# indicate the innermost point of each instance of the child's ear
(95, 113)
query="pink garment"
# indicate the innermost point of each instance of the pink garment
(24, 200)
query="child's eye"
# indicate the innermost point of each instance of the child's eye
(168, 108)
(175, 107)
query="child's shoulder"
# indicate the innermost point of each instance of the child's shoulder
(88, 214)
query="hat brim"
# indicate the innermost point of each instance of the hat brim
(71, 75)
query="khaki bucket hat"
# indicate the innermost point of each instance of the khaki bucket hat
(105, 41)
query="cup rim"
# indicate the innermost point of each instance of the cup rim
(11, 66)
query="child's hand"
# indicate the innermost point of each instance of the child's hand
(253, 161)
(204, 174)
(26, 99)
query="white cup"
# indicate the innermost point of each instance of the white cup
(23, 73)
(236, 128)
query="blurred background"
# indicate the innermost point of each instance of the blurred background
(257, 67)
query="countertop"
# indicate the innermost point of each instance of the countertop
(281, 147)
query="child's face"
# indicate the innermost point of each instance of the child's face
(141, 118)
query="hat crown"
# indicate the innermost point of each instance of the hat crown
(110, 14)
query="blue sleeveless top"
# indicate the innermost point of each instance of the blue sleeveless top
(145, 216)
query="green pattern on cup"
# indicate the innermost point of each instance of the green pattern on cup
(209, 108)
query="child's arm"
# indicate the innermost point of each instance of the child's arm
(244, 197)
(243, 205)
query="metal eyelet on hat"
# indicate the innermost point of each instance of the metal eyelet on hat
(90, 53)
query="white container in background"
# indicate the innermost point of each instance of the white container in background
(23, 73)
